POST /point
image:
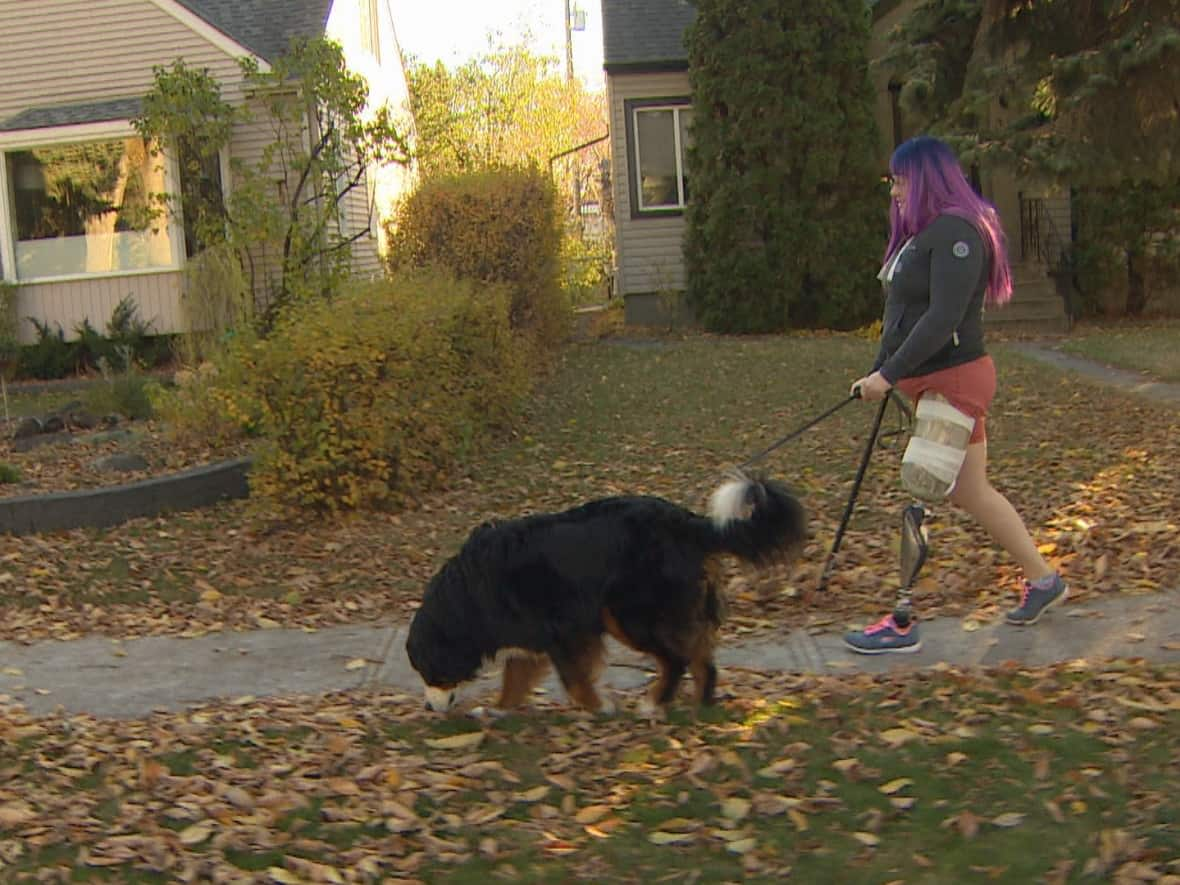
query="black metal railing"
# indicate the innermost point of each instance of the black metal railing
(1046, 235)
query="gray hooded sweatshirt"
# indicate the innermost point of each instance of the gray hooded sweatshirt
(934, 301)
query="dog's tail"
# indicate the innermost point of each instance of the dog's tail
(756, 520)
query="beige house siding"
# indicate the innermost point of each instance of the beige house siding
(649, 251)
(66, 304)
(69, 51)
(89, 52)
(365, 31)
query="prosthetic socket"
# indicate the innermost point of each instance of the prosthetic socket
(937, 448)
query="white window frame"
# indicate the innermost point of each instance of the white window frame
(25, 139)
(676, 107)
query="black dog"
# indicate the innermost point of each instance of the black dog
(546, 588)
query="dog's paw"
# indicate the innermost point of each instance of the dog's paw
(487, 713)
(649, 709)
(608, 707)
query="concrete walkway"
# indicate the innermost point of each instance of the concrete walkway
(132, 678)
(1129, 382)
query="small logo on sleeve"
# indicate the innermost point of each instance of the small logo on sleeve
(960, 249)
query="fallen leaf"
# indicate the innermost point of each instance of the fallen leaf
(1008, 819)
(463, 741)
(897, 737)
(196, 833)
(659, 837)
(592, 814)
(735, 808)
(895, 785)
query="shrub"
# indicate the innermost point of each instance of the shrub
(9, 473)
(50, 356)
(128, 334)
(122, 392)
(209, 404)
(9, 345)
(217, 299)
(377, 396)
(585, 270)
(496, 226)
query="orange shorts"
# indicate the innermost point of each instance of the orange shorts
(970, 388)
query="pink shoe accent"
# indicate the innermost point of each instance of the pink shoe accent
(887, 623)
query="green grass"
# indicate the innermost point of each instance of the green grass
(1149, 347)
(40, 399)
(992, 776)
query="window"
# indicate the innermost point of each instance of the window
(370, 29)
(86, 208)
(659, 136)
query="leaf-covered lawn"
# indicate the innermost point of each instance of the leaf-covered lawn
(1053, 775)
(1092, 470)
(1151, 347)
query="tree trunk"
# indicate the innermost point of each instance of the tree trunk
(1136, 286)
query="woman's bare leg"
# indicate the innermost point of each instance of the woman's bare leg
(975, 494)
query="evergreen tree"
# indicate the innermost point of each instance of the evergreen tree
(787, 214)
(1086, 93)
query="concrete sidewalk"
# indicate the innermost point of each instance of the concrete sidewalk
(1135, 383)
(131, 678)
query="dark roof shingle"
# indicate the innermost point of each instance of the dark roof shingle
(645, 34)
(48, 116)
(265, 27)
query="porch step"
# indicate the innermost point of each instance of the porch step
(1035, 308)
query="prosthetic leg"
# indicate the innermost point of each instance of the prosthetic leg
(913, 555)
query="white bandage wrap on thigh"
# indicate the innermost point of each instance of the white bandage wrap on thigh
(937, 448)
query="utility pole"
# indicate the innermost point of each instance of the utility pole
(569, 46)
(569, 79)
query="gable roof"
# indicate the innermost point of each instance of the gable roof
(645, 35)
(265, 27)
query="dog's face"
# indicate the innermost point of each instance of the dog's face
(440, 700)
(442, 659)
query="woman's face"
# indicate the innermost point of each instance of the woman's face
(897, 188)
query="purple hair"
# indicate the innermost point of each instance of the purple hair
(936, 185)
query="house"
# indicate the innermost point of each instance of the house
(650, 105)
(75, 233)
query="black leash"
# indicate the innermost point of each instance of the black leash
(794, 433)
(905, 420)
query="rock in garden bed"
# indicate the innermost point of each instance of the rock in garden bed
(71, 449)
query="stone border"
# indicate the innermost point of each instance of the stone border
(111, 505)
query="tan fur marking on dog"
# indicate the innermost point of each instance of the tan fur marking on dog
(613, 628)
(580, 674)
(660, 684)
(698, 666)
(521, 675)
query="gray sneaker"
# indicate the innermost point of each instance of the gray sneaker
(1034, 601)
(884, 637)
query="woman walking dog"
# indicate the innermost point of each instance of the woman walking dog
(945, 259)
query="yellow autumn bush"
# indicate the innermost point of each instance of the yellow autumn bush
(372, 397)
